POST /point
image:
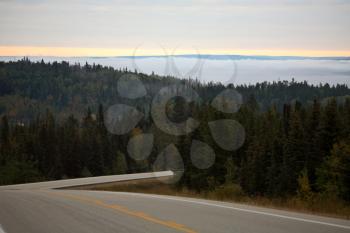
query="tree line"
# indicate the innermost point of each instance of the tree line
(302, 150)
(297, 136)
(29, 88)
(302, 146)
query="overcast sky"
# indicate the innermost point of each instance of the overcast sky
(118, 27)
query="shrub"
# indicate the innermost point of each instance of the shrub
(228, 192)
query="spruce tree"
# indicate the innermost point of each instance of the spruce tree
(294, 154)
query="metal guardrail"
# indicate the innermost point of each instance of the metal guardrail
(87, 181)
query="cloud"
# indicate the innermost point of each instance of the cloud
(243, 71)
(205, 24)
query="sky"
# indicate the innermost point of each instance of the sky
(166, 27)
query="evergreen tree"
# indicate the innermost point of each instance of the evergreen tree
(330, 127)
(119, 164)
(91, 143)
(304, 192)
(70, 148)
(334, 175)
(4, 140)
(294, 154)
(313, 142)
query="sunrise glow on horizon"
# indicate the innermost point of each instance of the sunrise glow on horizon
(123, 28)
(110, 52)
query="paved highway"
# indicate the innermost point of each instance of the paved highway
(40, 209)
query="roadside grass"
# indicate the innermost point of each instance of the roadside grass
(318, 204)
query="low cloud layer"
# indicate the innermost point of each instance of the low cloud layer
(237, 71)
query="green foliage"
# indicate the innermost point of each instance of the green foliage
(85, 172)
(228, 192)
(304, 192)
(334, 175)
(53, 127)
(15, 172)
(231, 172)
(120, 166)
(28, 88)
(294, 154)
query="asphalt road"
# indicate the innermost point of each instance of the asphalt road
(45, 210)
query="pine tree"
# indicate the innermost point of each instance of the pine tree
(294, 154)
(313, 142)
(330, 127)
(5, 130)
(47, 147)
(231, 172)
(70, 148)
(104, 141)
(346, 133)
(253, 177)
(119, 164)
(304, 192)
(4, 140)
(91, 143)
(334, 175)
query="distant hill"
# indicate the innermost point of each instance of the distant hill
(27, 88)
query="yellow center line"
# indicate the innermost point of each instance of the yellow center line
(125, 210)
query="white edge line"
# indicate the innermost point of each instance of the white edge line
(235, 208)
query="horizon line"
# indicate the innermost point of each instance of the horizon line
(190, 55)
(30, 51)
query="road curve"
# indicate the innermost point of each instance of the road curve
(47, 210)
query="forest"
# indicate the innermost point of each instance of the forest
(297, 135)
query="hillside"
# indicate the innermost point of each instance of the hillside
(274, 140)
(28, 88)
